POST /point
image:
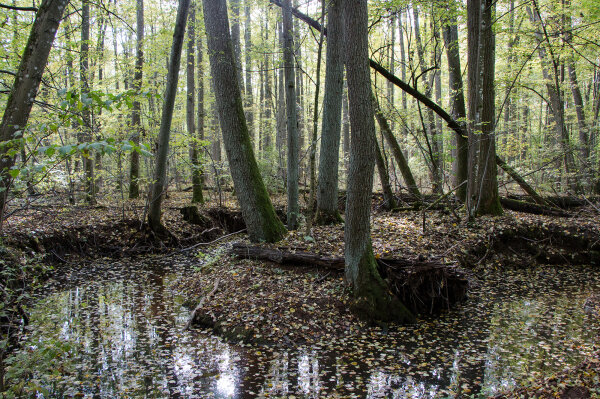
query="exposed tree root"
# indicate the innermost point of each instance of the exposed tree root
(424, 286)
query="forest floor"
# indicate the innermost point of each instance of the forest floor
(259, 302)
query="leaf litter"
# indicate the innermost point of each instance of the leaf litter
(116, 327)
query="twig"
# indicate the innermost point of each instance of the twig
(201, 304)
(211, 242)
(590, 202)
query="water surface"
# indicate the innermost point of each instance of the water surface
(115, 329)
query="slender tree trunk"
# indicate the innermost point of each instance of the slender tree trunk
(315, 128)
(249, 100)
(293, 209)
(160, 172)
(371, 295)
(257, 210)
(201, 114)
(191, 107)
(136, 121)
(25, 87)
(267, 105)
(389, 201)
(86, 134)
(554, 94)
(430, 132)
(235, 39)
(407, 175)
(280, 121)
(327, 191)
(345, 125)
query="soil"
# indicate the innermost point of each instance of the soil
(258, 302)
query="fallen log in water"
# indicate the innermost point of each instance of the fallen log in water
(425, 286)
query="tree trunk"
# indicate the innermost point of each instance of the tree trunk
(257, 210)
(315, 130)
(327, 191)
(160, 172)
(136, 123)
(407, 175)
(292, 118)
(25, 87)
(457, 103)
(488, 200)
(554, 94)
(389, 201)
(200, 113)
(249, 100)
(235, 39)
(371, 294)
(190, 109)
(86, 134)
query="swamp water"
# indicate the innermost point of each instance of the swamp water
(115, 329)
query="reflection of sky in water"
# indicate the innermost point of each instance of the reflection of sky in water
(128, 340)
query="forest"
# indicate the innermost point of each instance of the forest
(300, 198)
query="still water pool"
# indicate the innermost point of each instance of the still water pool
(115, 329)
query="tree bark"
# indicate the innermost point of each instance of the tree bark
(160, 172)
(457, 103)
(249, 100)
(197, 196)
(86, 133)
(371, 296)
(25, 87)
(327, 191)
(315, 130)
(293, 209)
(235, 39)
(488, 200)
(136, 123)
(257, 209)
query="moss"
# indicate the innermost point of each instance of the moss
(325, 218)
(373, 300)
(492, 207)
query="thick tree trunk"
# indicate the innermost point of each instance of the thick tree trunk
(136, 123)
(257, 210)
(327, 191)
(160, 171)
(25, 87)
(293, 210)
(371, 293)
(488, 200)
(457, 104)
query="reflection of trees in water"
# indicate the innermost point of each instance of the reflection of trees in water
(129, 337)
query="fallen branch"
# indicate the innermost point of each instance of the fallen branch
(201, 304)
(286, 257)
(211, 242)
(529, 207)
